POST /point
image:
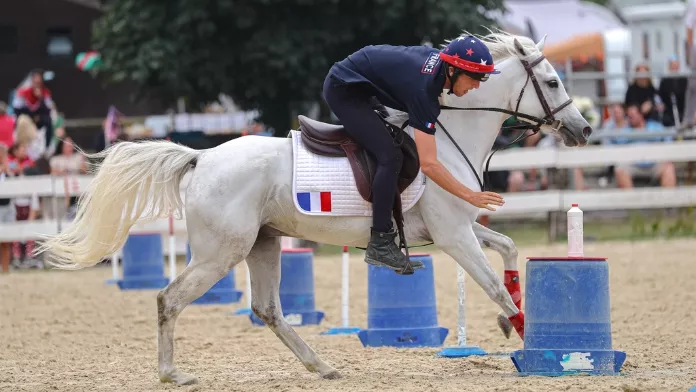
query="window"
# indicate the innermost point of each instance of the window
(8, 39)
(59, 42)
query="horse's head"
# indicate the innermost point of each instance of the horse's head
(541, 94)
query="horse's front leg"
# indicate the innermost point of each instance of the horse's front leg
(463, 246)
(507, 250)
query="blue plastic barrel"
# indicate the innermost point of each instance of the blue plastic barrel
(222, 292)
(296, 288)
(568, 318)
(401, 309)
(143, 263)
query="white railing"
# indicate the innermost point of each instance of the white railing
(516, 203)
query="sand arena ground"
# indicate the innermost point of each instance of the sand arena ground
(67, 331)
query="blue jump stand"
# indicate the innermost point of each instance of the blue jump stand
(461, 351)
(143, 263)
(222, 292)
(341, 331)
(567, 327)
(401, 309)
(296, 288)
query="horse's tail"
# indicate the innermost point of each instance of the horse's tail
(135, 181)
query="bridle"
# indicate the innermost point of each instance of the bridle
(548, 119)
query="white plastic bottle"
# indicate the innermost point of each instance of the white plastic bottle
(575, 232)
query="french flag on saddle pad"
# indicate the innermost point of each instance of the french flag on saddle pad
(314, 201)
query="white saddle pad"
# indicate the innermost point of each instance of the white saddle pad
(326, 186)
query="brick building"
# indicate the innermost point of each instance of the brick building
(49, 34)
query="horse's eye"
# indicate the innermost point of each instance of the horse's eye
(553, 83)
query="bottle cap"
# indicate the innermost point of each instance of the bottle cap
(574, 205)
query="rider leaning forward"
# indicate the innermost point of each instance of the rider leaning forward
(409, 79)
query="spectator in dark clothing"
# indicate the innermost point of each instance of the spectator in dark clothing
(673, 87)
(642, 93)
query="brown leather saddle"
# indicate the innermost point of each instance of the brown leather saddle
(332, 141)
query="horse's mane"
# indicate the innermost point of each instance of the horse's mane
(501, 44)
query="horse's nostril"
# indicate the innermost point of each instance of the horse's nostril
(586, 132)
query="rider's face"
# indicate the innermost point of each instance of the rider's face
(464, 84)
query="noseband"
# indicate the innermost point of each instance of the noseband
(548, 119)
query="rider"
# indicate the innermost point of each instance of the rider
(409, 79)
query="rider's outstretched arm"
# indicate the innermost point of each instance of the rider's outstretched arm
(436, 171)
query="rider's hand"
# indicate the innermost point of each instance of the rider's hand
(483, 199)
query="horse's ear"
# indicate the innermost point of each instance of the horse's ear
(519, 48)
(540, 44)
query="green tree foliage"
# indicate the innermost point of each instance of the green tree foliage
(270, 55)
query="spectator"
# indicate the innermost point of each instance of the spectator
(642, 93)
(7, 210)
(24, 252)
(18, 162)
(625, 173)
(538, 179)
(58, 134)
(35, 101)
(618, 117)
(673, 87)
(690, 19)
(7, 125)
(18, 159)
(67, 162)
(506, 180)
(28, 136)
(27, 209)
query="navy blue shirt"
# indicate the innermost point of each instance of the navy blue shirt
(406, 78)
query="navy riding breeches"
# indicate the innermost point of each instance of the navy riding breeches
(353, 104)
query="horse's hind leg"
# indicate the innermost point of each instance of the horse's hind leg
(264, 268)
(209, 263)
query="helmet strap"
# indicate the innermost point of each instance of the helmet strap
(453, 78)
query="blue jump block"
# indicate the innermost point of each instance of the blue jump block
(296, 288)
(568, 320)
(401, 310)
(143, 263)
(222, 292)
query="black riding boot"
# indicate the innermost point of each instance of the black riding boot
(382, 250)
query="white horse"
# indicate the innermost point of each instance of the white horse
(239, 203)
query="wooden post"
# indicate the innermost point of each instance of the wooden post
(5, 256)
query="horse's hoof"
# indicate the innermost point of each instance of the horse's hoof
(178, 378)
(332, 375)
(505, 325)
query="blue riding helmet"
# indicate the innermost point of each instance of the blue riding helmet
(470, 56)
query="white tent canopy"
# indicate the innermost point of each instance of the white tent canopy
(559, 19)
